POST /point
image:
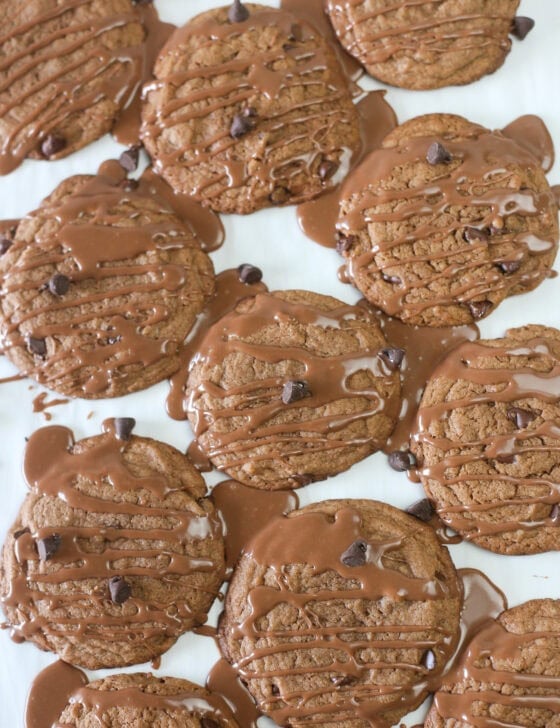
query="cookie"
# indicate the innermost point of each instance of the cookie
(100, 286)
(509, 674)
(68, 68)
(424, 45)
(292, 387)
(447, 220)
(487, 441)
(249, 109)
(341, 614)
(115, 552)
(141, 699)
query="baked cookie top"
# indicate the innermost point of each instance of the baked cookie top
(249, 112)
(487, 441)
(447, 220)
(115, 552)
(293, 387)
(341, 614)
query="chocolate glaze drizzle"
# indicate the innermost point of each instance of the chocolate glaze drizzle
(531, 499)
(106, 73)
(266, 430)
(113, 336)
(43, 593)
(42, 404)
(50, 692)
(223, 680)
(251, 85)
(480, 178)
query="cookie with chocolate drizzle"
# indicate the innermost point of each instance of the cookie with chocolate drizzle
(448, 219)
(425, 44)
(292, 387)
(115, 552)
(342, 614)
(249, 108)
(100, 287)
(509, 674)
(487, 439)
(68, 68)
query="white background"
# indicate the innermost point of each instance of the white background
(529, 82)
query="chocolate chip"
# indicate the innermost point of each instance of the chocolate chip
(208, 723)
(472, 234)
(395, 280)
(129, 184)
(479, 309)
(509, 266)
(279, 196)
(129, 159)
(59, 284)
(5, 245)
(392, 357)
(437, 154)
(47, 547)
(238, 13)
(423, 510)
(429, 660)
(124, 427)
(20, 532)
(295, 390)
(344, 242)
(521, 418)
(355, 555)
(241, 124)
(341, 681)
(522, 26)
(249, 273)
(401, 460)
(505, 459)
(52, 144)
(37, 346)
(274, 689)
(119, 589)
(327, 169)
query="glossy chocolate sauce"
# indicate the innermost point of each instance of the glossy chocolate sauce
(531, 133)
(42, 404)
(50, 692)
(224, 681)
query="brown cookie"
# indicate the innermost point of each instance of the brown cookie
(68, 68)
(508, 676)
(100, 287)
(487, 441)
(115, 552)
(293, 387)
(249, 113)
(425, 44)
(141, 699)
(447, 220)
(341, 614)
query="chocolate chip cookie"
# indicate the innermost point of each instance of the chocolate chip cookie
(341, 614)
(100, 286)
(249, 109)
(424, 45)
(447, 220)
(293, 387)
(115, 552)
(487, 441)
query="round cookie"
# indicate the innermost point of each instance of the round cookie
(341, 614)
(509, 674)
(68, 69)
(100, 287)
(487, 441)
(292, 387)
(249, 113)
(447, 220)
(425, 45)
(115, 552)
(141, 699)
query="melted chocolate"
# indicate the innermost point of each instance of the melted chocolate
(223, 680)
(51, 468)
(50, 693)
(530, 132)
(42, 404)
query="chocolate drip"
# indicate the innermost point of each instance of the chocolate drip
(454, 463)
(355, 677)
(106, 73)
(111, 334)
(50, 692)
(248, 82)
(57, 469)
(481, 178)
(359, 376)
(42, 404)
(223, 680)
(530, 132)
